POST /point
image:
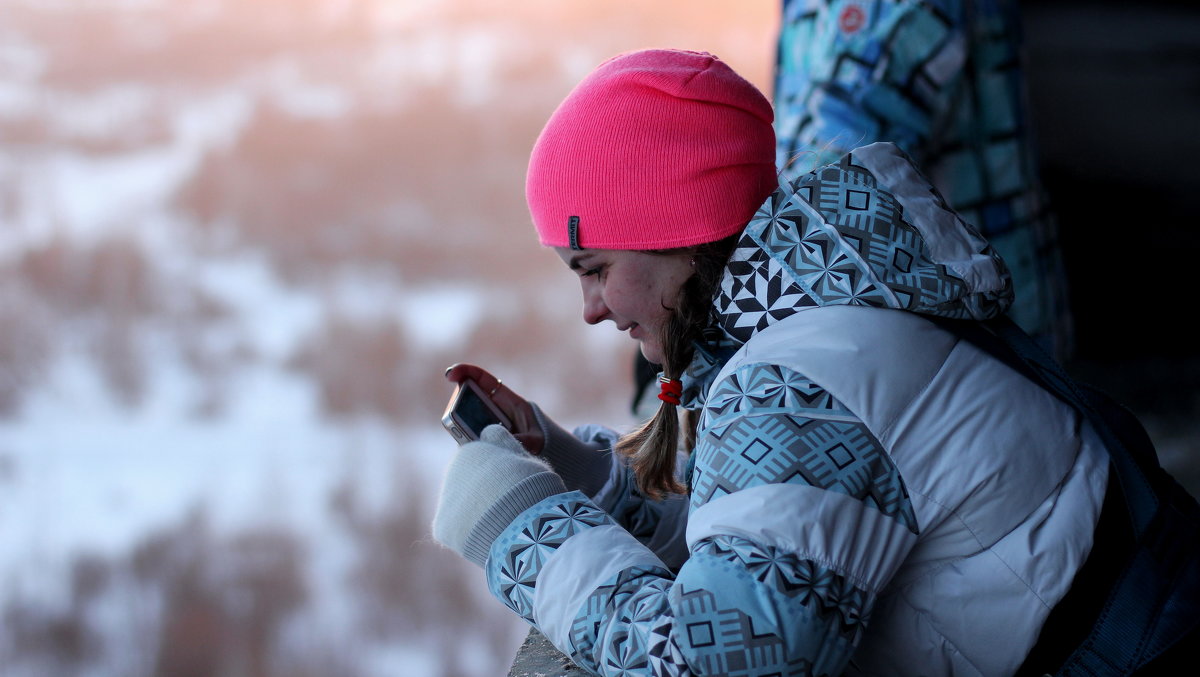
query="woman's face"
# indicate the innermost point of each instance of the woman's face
(635, 290)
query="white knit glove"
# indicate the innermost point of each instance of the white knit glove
(489, 483)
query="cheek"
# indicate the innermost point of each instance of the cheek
(642, 297)
(654, 308)
(642, 300)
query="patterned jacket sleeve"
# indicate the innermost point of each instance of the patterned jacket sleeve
(798, 519)
(659, 524)
(852, 72)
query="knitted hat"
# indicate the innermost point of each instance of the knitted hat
(655, 149)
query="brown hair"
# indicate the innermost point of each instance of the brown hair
(654, 445)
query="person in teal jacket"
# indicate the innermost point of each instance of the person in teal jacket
(834, 482)
(945, 81)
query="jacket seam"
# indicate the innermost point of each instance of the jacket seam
(929, 381)
(989, 549)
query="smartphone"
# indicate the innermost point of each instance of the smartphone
(470, 411)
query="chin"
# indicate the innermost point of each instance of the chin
(651, 353)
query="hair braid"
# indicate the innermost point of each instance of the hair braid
(654, 445)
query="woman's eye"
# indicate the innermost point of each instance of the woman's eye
(590, 272)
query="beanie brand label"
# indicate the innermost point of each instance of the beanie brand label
(573, 232)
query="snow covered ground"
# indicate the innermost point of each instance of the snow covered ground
(239, 242)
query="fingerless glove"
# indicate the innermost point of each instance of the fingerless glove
(582, 465)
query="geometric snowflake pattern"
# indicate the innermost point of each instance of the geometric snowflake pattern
(660, 627)
(727, 641)
(523, 557)
(636, 599)
(828, 594)
(838, 239)
(643, 621)
(765, 424)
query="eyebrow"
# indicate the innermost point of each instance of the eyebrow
(576, 262)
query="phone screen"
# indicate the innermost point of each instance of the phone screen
(473, 411)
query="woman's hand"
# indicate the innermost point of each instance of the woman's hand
(517, 408)
(489, 483)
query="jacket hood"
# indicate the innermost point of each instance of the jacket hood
(867, 230)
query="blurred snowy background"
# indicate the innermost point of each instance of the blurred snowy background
(240, 240)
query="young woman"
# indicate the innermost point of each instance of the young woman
(859, 491)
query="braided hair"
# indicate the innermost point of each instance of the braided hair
(654, 445)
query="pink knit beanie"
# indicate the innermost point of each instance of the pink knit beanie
(655, 149)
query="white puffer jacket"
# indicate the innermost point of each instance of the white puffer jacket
(868, 494)
(1005, 482)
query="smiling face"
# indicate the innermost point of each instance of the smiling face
(634, 289)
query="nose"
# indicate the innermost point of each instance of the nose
(595, 310)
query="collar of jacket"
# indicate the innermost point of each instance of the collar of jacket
(711, 353)
(867, 230)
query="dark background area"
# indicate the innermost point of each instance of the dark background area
(1115, 90)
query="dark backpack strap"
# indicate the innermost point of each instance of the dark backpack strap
(1145, 564)
(1071, 620)
(1105, 416)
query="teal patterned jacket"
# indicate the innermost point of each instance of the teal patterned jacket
(797, 517)
(945, 81)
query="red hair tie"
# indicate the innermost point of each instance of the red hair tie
(671, 390)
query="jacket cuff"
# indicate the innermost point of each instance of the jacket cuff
(582, 466)
(525, 494)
